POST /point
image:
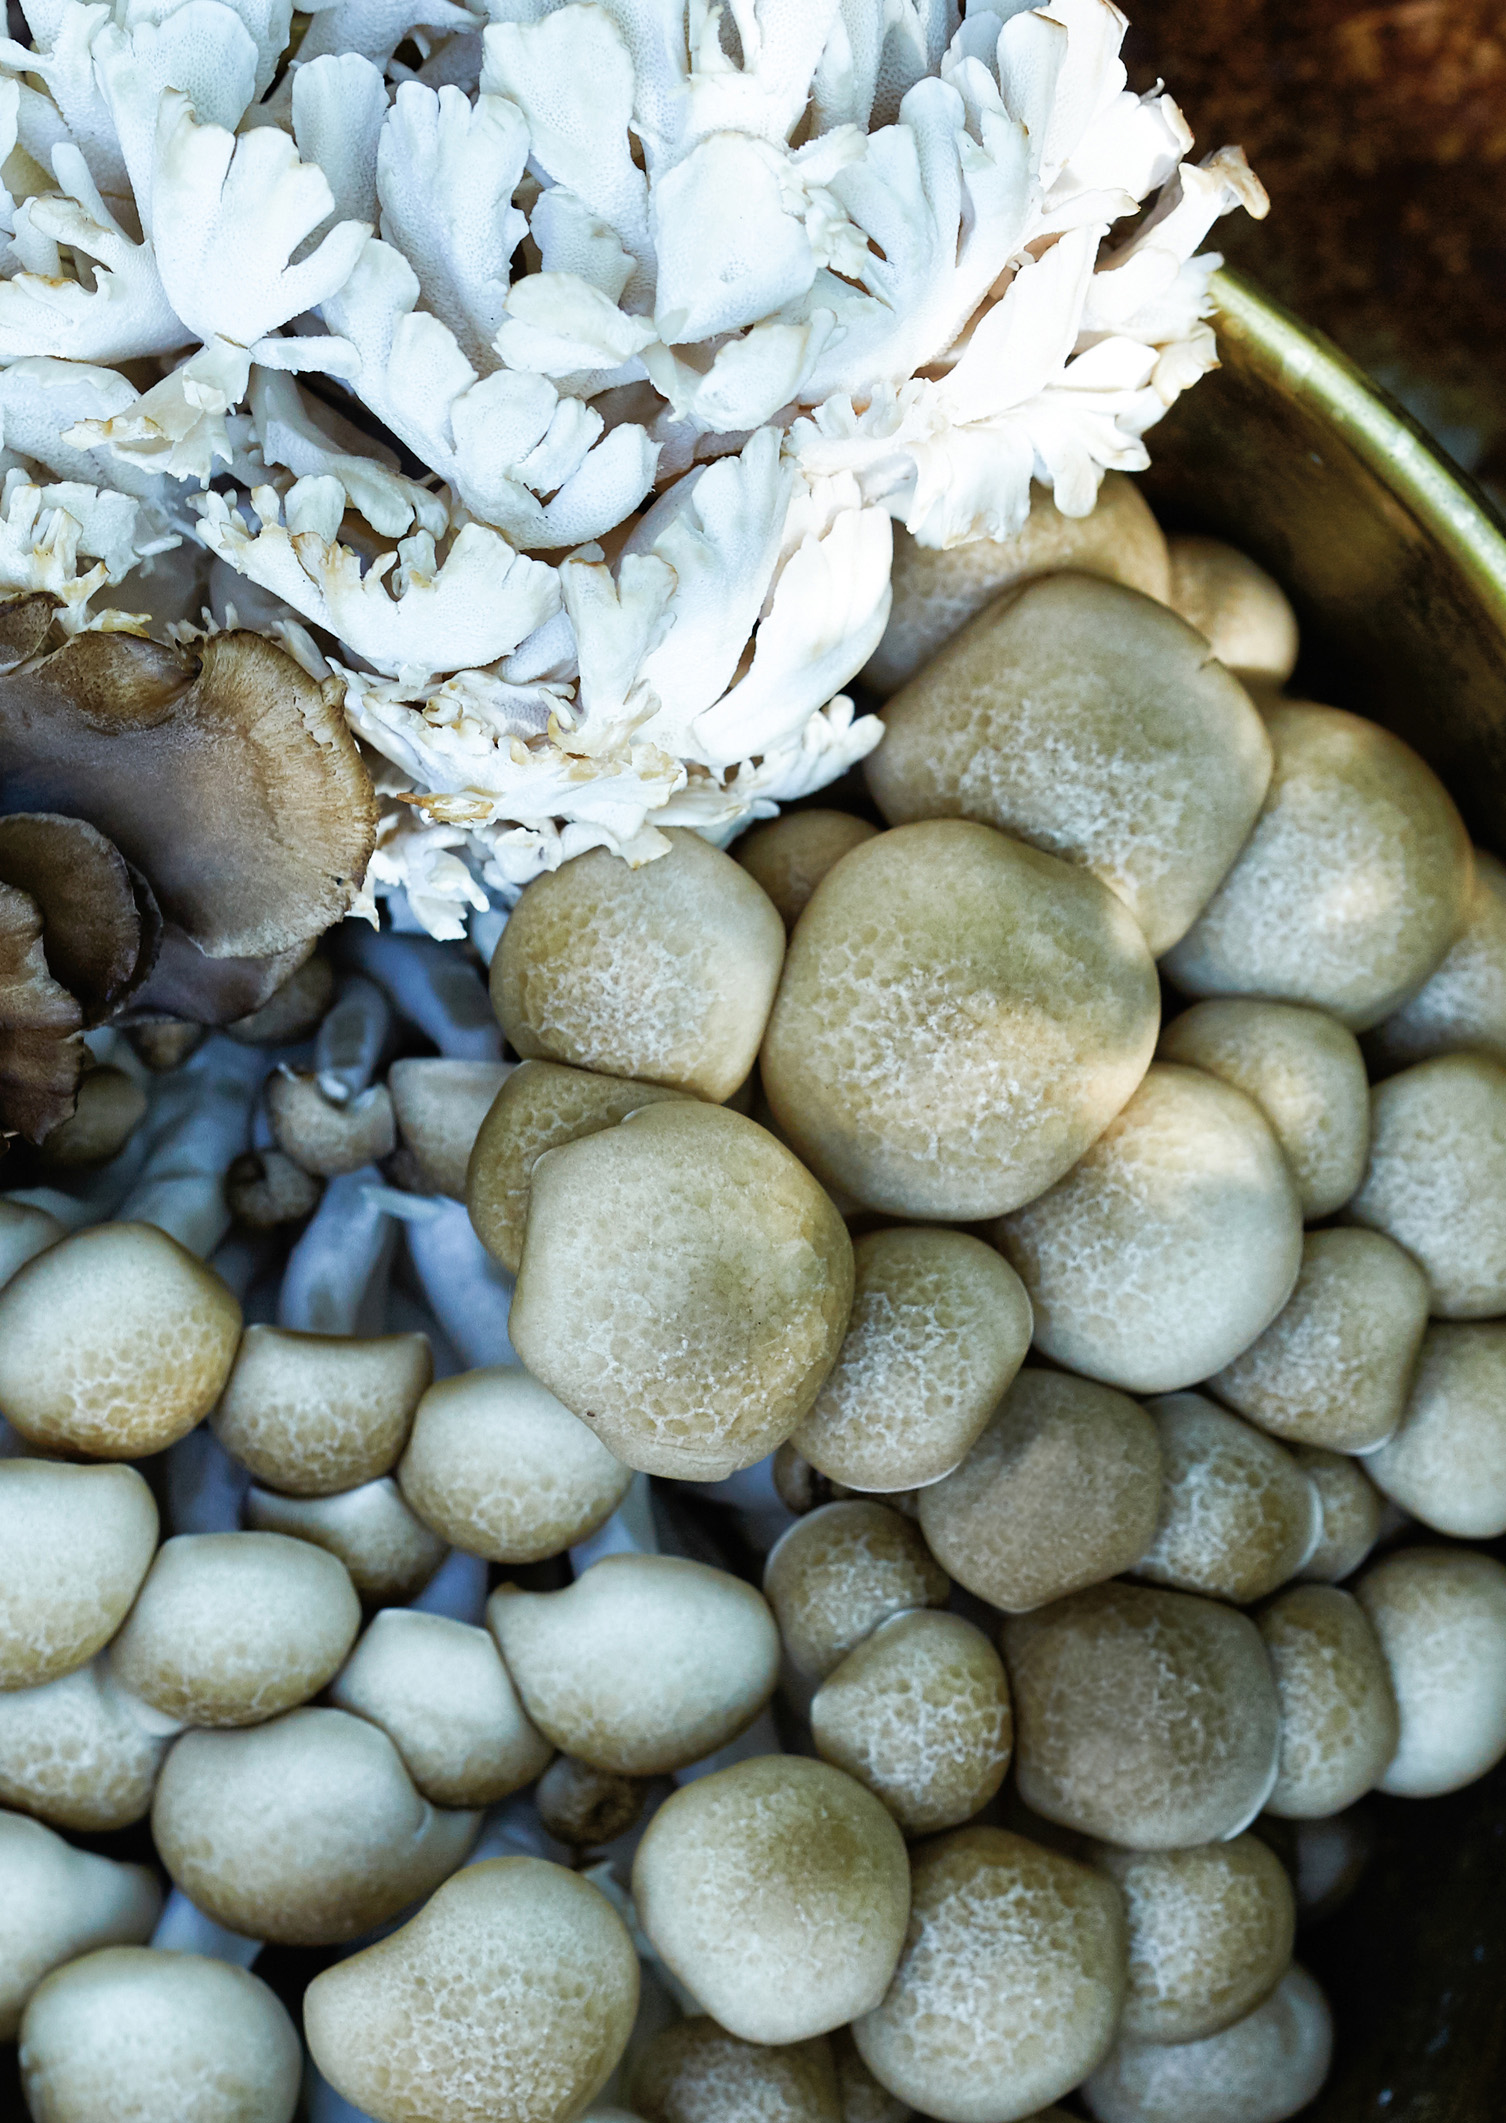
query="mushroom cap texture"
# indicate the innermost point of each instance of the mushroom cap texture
(1440, 1615)
(58, 1903)
(75, 1544)
(114, 1342)
(75, 1753)
(1238, 1515)
(645, 1664)
(440, 1104)
(324, 1138)
(1261, 2070)
(1011, 1982)
(1352, 885)
(1339, 1721)
(664, 972)
(1172, 1243)
(777, 1891)
(144, 2036)
(1447, 1462)
(1240, 612)
(685, 1288)
(1093, 723)
(510, 1994)
(1463, 1001)
(960, 1017)
(789, 855)
(695, 2072)
(1351, 1507)
(841, 1570)
(388, 1550)
(313, 1414)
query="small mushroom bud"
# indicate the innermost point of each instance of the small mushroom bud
(777, 1892)
(151, 2037)
(231, 1628)
(442, 1695)
(75, 1544)
(326, 1139)
(685, 1287)
(114, 1342)
(1351, 1507)
(110, 1108)
(25, 1231)
(264, 1190)
(645, 1664)
(390, 1554)
(1440, 1615)
(1142, 1717)
(955, 1053)
(865, 2101)
(60, 1902)
(306, 1831)
(1169, 1246)
(939, 1326)
(587, 1807)
(1334, 1365)
(1238, 1515)
(789, 856)
(695, 2072)
(439, 1106)
(839, 1572)
(1436, 1181)
(1011, 1982)
(165, 1043)
(313, 1414)
(511, 1993)
(502, 1469)
(1262, 2069)
(292, 1012)
(1239, 611)
(1339, 1724)
(79, 1752)
(919, 1712)
(1062, 1490)
(1463, 1003)
(1210, 1935)
(1447, 1462)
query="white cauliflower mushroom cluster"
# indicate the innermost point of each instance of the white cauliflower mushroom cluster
(552, 373)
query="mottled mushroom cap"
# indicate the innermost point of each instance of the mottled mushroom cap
(1339, 1725)
(1351, 1507)
(313, 1414)
(695, 2072)
(1440, 1615)
(788, 856)
(75, 1544)
(1240, 612)
(388, 1550)
(322, 1137)
(60, 1902)
(839, 1572)
(1238, 1515)
(1463, 1002)
(80, 1753)
(439, 1104)
(1261, 2070)
(1447, 1462)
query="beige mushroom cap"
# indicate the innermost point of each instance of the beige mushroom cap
(440, 1104)
(440, 1692)
(1339, 1724)
(695, 2072)
(75, 1544)
(1436, 1181)
(111, 1106)
(685, 1287)
(145, 2036)
(1353, 884)
(313, 1414)
(1463, 1003)
(1351, 1507)
(1011, 1982)
(25, 1231)
(1261, 2070)
(645, 1664)
(587, 1807)
(960, 1016)
(114, 1342)
(788, 856)
(231, 1628)
(1240, 612)
(839, 1572)
(1238, 1515)
(1061, 1491)
(1142, 1717)
(502, 1469)
(865, 2101)
(940, 1324)
(510, 1994)
(1210, 1935)
(306, 1831)
(665, 972)
(777, 1891)
(1447, 1462)
(78, 1752)
(1440, 1615)
(1091, 722)
(388, 1550)
(1170, 1246)
(1306, 1073)
(1334, 1366)
(60, 1902)
(324, 1138)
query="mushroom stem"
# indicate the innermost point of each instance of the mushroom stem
(324, 2105)
(200, 1122)
(205, 1486)
(468, 1293)
(432, 986)
(184, 1928)
(761, 1737)
(351, 1041)
(336, 1278)
(629, 1531)
(457, 1589)
(760, 1512)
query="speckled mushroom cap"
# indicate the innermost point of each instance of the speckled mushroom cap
(25, 1231)
(644, 1664)
(695, 2072)
(75, 1544)
(1261, 2070)
(1339, 1725)
(409, 2027)
(324, 1138)
(788, 856)
(1436, 1181)
(840, 1571)
(80, 1753)
(1447, 1462)
(1170, 1246)
(145, 2036)
(1143, 1717)
(388, 1550)
(937, 590)
(1334, 1366)
(439, 1103)
(685, 1288)
(1091, 722)
(114, 1342)
(777, 1892)
(58, 1903)
(1062, 1490)
(664, 972)
(1440, 1615)
(1352, 885)
(1306, 1073)
(588, 1807)
(313, 1414)
(960, 1016)
(1010, 1985)
(500, 1468)
(1351, 1507)
(940, 1325)
(1210, 1934)
(306, 1831)
(1238, 1515)
(1240, 612)
(1463, 1003)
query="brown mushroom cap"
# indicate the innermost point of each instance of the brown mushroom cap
(1339, 1725)
(77, 1752)
(587, 1807)
(695, 2072)
(324, 1138)
(60, 1902)
(1265, 2067)
(439, 1105)
(789, 856)
(840, 1571)
(314, 1414)
(264, 1189)
(76, 1544)
(292, 1011)
(389, 1551)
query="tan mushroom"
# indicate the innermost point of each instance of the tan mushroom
(1440, 1615)
(1351, 1508)
(25, 1231)
(292, 1012)
(439, 1105)
(839, 1572)
(75, 1544)
(695, 2072)
(865, 2101)
(1240, 612)
(789, 856)
(1261, 2070)
(1447, 1462)
(1339, 1726)
(1463, 1002)
(1238, 1515)
(390, 1553)
(323, 1138)
(110, 1107)
(587, 1807)
(312, 1414)
(79, 1752)
(264, 1189)
(60, 1902)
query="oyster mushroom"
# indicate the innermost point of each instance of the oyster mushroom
(60, 1902)
(314, 1414)
(75, 1544)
